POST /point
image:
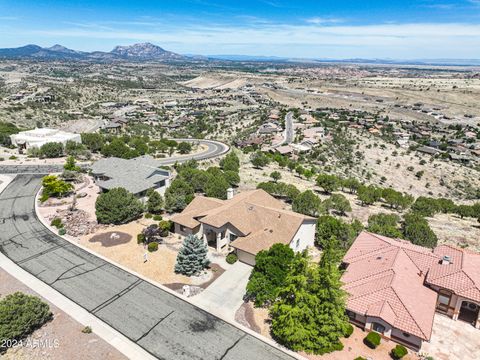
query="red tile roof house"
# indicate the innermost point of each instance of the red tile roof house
(248, 222)
(396, 287)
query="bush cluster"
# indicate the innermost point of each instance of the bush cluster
(21, 314)
(153, 246)
(399, 352)
(231, 258)
(372, 340)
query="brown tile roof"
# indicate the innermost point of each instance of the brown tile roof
(199, 207)
(462, 275)
(260, 218)
(385, 278)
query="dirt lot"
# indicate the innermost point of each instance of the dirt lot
(72, 343)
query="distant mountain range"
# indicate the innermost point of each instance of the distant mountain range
(151, 52)
(144, 51)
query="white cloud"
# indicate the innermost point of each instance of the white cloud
(321, 20)
(401, 41)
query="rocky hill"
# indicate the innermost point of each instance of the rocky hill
(144, 51)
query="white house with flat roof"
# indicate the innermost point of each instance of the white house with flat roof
(38, 137)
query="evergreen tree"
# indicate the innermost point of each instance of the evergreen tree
(338, 202)
(309, 314)
(178, 195)
(155, 202)
(70, 164)
(117, 206)
(259, 160)
(417, 230)
(294, 313)
(328, 182)
(332, 322)
(217, 186)
(192, 257)
(307, 203)
(385, 224)
(230, 162)
(268, 274)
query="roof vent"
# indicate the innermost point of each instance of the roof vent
(446, 260)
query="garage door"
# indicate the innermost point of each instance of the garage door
(245, 257)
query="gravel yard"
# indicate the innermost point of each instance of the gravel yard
(62, 330)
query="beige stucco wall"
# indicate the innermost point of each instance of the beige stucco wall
(411, 340)
(305, 236)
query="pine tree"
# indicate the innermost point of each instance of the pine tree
(155, 202)
(192, 257)
(309, 314)
(293, 314)
(332, 323)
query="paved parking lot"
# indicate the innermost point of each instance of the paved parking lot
(163, 324)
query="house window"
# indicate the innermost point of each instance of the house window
(351, 315)
(298, 243)
(406, 334)
(182, 228)
(443, 301)
(233, 237)
(378, 327)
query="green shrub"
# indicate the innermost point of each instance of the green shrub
(399, 352)
(140, 239)
(57, 222)
(360, 358)
(153, 246)
(21, 314)
(117, 206)
(349, 331)
(51, 150)
(62, 231)
(13, 157)
(165, 227)
(157, 217)
(54, 187)
(87, 330)
(232, 258)
(372, 340)
(148, 216)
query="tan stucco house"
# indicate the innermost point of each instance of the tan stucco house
(247, 222)
(395, 287)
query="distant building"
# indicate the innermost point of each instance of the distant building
(38, 137)
(136, 175)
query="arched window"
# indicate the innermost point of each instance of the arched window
(378, 327)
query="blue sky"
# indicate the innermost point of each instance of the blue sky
(312, 29)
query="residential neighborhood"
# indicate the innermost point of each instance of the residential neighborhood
(257, 180)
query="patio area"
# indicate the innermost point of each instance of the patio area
(452, 340)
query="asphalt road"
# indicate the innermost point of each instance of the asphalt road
(163, 324)
(289, 134)
(214, 149)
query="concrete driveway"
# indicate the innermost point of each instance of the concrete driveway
(452, 340)
(225, 295)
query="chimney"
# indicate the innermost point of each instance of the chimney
(229, 193)
(446, 260)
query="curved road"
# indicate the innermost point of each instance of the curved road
(161, 323)
(214, 149)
